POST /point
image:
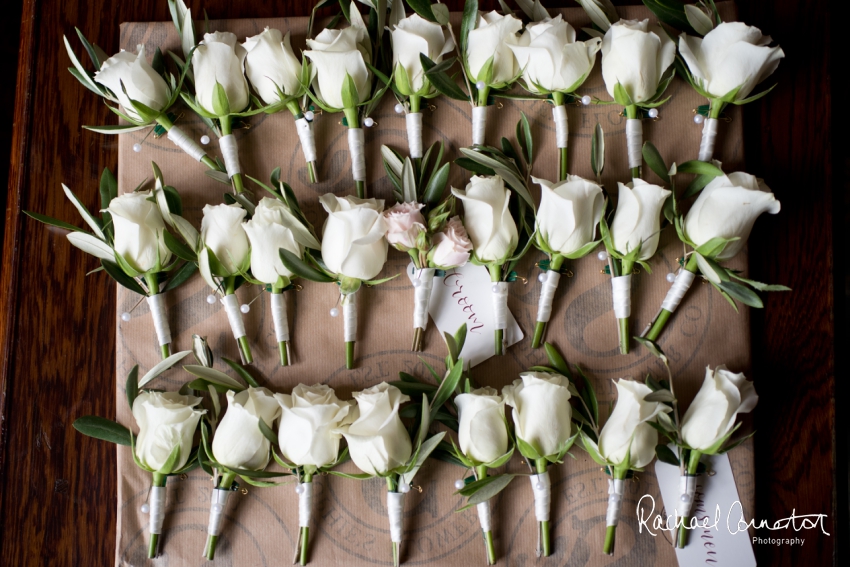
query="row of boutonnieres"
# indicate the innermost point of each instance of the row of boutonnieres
(312, 420)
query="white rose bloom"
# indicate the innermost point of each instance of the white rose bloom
(271, 228)
(541, 410)
(166, 420)
(728, 207)
(271, 65)
(238, 442)
(482, 431)
(637, 221)
(139, 231)
(219, 58)
(335, 53)
(731, 55)
(492, 36)
(569, 212)
(636, 55)
(309, 423)
(627, 431)
(550, 56)
(377, 439)
(353, 242)
(487, 219)
(414, 35)
(712, 414)
(223, 233)
(142, 83)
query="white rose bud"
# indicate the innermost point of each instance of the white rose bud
(271, 65)
(271, 228)
(309, 422)
(482, 431)
(550, 56)
(142, 83)
(487, 218)
(712, 414)
(728, 207)
(166, 420)
(636, 55)
(541, 410)
(139, 229)
(335, 53)
(220, 59)
(491, 37)
(353, 242)
(731, 55)
(238, 442)
(627, 431)
(414, 35)
(637, 221)
(451, 246)
(569, 212)
(377, 439)
(223, 233)
(404, 224)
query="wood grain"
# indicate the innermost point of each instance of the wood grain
(57, 329)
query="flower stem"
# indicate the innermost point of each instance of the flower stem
(555, 263)
(481, 473)
(415, 103)
(305, 530)
(237, 177)
(283, 346)
(225, 483)
(496, 276)
(715, 107)
(693, 465)
(349, 355)
(558, 100)
(166, 123)
(482, 96)
(610, 536)
(625, 338)
(297, 114)
(664, 315)
(632, 112)
(352, 117)
(540, 465)
(159, 481)
(392, 486)
(153, 289)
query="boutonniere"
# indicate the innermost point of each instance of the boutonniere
(131, 240)
(421, 224)
(501, 229)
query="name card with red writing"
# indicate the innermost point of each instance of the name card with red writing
(464, 295)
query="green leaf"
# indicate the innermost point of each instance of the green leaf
(556, 360)
(178, 248)
(82, 75)
(754, 97)
(499, 461)
(700, 168)
(302, 269)
(672, 13)
(350, 97)
(652, 347)
(760, 286)
(357, 476)
(588, 394)
(523, 136)
(171, 462)
(104, 429)
(460, 338)
(268, 433)
(242, 372)
(441, 80)
(655, 162)
(436, 185)
(423, 8)
(467, 24)
(108, 188)
(446, 389)
(214, 377)
(84, 212)
(220, 103)
(162, 366)
(711, 269)
(622, 96)
(91, 245)
(473, 166)
(132, 386)
(425, 449)
(506, 171)
(592, 450)
(180, 276)
(714, 246)
(484, 489)
(660, 396)
(701, 23)
(742, 293)
(734, 444)
(119, 276)
(52, 221)
(527, 450)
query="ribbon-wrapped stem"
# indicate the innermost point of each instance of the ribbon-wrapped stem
(562, 132)
(634, 140)
(621, 290)
(156, 303)
(217, 504)
(500, 306)
(356, 147)
(230, 153)
(157, 512)
(413, 121)
(483, 510)
(305, 510)
(349, 324)
(547, 296)
(180, 139)
(423, 285)
(541, 486)
(281, 325)
(395, 514)
(234, 317)
(306, 137)
(616, 488)
(687, 487)
(680, 287)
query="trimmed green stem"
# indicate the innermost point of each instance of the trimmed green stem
(415, 103)
(664, 315)
(245, 350)
(480, 473)
(625, 338)
(153, 289)
(283, 347)
(158, 481)
(166, 123)
(555, 263)
(483, 94)
(392, 486)
(540, 466)
(693, 465)
(558, 100)
(305, 530)
(715, 107)
(225, 483)
(632, 112)
(349, 355)
(226, 129)
(610, 536)
(496, 276)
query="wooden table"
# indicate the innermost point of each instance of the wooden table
(57, 327)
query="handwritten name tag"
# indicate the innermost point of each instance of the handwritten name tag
(464, 296)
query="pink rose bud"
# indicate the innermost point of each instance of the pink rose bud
(451, 245)
(405, 223)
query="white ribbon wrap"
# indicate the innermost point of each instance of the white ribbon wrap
(356, 143)
(680, 287)
(542, 488)
(484, 516)
(615, 501)
(395, 511)
(234, 315)
(562, 126)
(281, 323)
(500, 304)
(479, 124)
(709, 136)
(180, 139)
(422, 296)
(414, 133)
(157, 509)
(687, 490)
(156, 303)
(217, 504)
(547, 295)
(305, 504)
(349, 317)
(308, 140)
(230, 153)
(621, 288)
(634, 141)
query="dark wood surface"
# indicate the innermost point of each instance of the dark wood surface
(57, 327)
